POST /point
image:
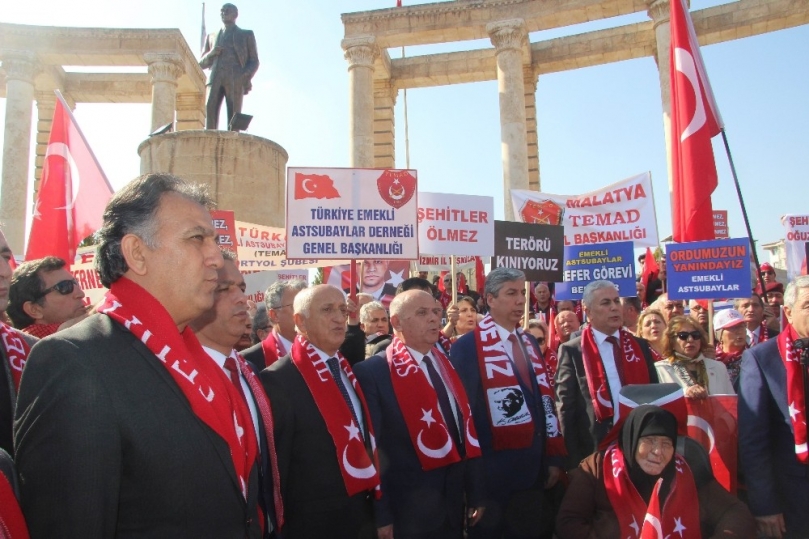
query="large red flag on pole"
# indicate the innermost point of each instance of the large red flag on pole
(73, 192)
(695, 120)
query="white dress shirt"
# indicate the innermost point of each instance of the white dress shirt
(419, 357)
(608, 359)
(220, 359)
(285, 343)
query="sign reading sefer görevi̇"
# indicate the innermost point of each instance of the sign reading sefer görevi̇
(343, 213)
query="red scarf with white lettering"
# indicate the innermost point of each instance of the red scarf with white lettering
(444, 343)
(509, 416)
(419, 405)
(17, 351)
(762, 332)
(796, 391)
(551, 363)
(360, 472)
(273, 348)
(679, 514)
(12, 521)
(632, 366)
(265, 413)
(212, 396)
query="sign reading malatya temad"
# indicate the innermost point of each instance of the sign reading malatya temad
(537, 250)
(339, 213)
(586, 263)
(709, 269)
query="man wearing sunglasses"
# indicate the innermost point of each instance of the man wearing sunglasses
(43, 296)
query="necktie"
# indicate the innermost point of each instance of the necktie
(518, 357)
(230, 365)
(617, 356)
(334, 367)
(444, 404)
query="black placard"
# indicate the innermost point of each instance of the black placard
(538, 250)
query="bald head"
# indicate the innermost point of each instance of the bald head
(320, 316)
(416, 318)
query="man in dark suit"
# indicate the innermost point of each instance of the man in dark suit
(322, 432)
(232, 57)
(773, 451)
(592, 369)
(278, 298)
(124, 428)
(218, 330)
(14, 348)
(422, 490)
(518, 466)
(752, 309)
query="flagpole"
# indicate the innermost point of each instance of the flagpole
(744, 211)
(83, 138)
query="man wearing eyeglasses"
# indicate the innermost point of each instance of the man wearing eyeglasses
(44, 295)
(278, 298)
(327, 465)
(14, 349)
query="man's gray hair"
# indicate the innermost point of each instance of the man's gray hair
(367, 310)
(738, 301)
(590, 290)
(275, 292)
(791, 293)
(132, 211)
(261, 321)
(497, 278)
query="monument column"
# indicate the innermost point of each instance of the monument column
(361, 53)
(508, 38)
(21, 67)
(530, 77)
(165, 69)
(659, 13)
(190, 111)
(385, 93)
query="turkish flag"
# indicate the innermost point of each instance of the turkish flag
(314, 186)
(73, 193)
(713, 423)
(480, 276)
(650, 270)
(694, 121)
(652, 522)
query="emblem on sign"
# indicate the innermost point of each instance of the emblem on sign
(543, 212)
(396, 187)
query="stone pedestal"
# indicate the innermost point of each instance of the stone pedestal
(244, 173)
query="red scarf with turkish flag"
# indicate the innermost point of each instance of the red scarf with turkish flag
(509, 416)
(632, 367)
(360, 472)
(213, 398)
(419, 404)
(678, 515)
(273, 348)
(17, 351)
(796, 390)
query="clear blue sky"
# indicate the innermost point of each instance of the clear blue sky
(596, 125)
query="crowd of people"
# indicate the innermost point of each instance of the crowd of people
(175, 408)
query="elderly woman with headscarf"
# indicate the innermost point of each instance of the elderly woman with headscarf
(640, 482)
(684, 347)
(730, 330)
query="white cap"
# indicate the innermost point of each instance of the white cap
(727, 318)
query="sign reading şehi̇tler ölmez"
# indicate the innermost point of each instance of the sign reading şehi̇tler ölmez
(586, 263)
(452, 224)
(709, 269)
(537, 250)
(623, 211)
(339, 213)
(796, 243)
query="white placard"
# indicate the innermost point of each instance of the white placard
(458, 225)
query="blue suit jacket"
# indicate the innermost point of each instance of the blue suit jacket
(511, 470)
(776, 481)
(413, 500)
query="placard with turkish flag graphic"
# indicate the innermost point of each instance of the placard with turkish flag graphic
(713, 423)
(73, 193)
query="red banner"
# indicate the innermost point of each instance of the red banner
(712, 422)
(224, 222)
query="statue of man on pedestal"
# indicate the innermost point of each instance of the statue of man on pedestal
(231, 55)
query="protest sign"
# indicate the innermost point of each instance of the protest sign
(537, 250)
(720, 224)
(441, 263)
(339, 213)
(585, 263)
(709, 269)
(263, 248)
(225, 224)
(376, 277)
(456, 224)
(84, 271)
(797, 236)
(623, 211)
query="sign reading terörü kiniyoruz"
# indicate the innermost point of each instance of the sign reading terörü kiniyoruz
(709, 269)
(535, 249)
(586, 263)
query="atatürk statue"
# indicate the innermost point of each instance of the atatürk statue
(231, 55)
